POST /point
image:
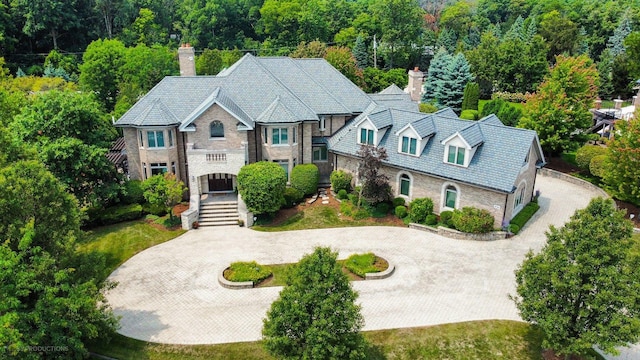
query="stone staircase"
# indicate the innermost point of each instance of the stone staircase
(218, 213)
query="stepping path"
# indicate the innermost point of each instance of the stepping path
(170, 294)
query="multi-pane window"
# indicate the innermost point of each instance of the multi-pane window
(158, 168)
(320, 153)
(409, 145)
(366, 136)
(155, 139)
(519, 197)
(405, 184)
(450, 197)
(279, 136)
(216, 129)
(456, 155)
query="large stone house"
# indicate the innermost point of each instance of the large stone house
(294, 111)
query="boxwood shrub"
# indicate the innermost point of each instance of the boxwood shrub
(524, 215)
(401, 211)
(305, 177)
(133, 193)
(419, 209)
(342, 194)
(445, 218)
(292, 196)
(586, 153)
(399, 201)
(431, 220)
(340, 180)
(472, 220)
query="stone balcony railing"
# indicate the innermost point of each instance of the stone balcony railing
(207, 161)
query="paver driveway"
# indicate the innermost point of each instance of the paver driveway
(170, 294)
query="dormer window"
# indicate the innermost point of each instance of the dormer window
(456, 155)
(366, 136)
(409, 145)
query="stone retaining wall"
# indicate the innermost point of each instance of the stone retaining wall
(455, 234)
(572, 179)
(189, 216)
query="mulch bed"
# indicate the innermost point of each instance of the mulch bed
(558, 164)
(284, 214)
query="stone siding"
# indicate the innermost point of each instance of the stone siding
(233, 139)
(433, 188)
(527, 177)
(133, 153)
(332, 124)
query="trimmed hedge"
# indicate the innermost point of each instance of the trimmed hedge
(340, 180)
(469, 115)
(292, 196)
(586, 153)
(401, 211)
(524, 215)
(113, 215)
(419, 209)
(342, 194)
(445, 218)
(472, 220)
(431, 220)
(399, 201)
(305, 177)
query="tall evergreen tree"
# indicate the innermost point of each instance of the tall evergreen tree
(517, 30)
(438, 71)
(451, 90)
(360, 52)
(447, 39)
(532, 29)
(471, 95)
(616, 41)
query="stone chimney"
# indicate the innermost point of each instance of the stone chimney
(186, 57)
(416, 77)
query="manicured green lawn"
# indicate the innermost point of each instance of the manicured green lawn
(121, 241)
(318, 217)
(493, 339)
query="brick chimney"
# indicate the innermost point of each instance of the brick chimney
(416, 77)
(186, 57)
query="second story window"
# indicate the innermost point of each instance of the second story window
(366, 136)
(456, 155)
(155, 139)
(279, 136)
(216, 129)
(409, 145)
(320, 153)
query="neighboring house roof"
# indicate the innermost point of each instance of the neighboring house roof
(496, 163)
(305, 88)
(394, 97)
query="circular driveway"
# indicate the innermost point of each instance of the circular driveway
(169, 293)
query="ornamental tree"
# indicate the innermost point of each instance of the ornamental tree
(559, 110)
(261, 186)
(622, 171)
(315, 316)
(375, 184)
(581, 290)
(164, 190)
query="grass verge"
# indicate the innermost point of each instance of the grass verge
(491, 339)
(121, 241)
(247, 271)
(361, 264)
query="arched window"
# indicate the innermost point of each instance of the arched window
(216, 129)
(450, 197)
(405, 184)
(520, 194)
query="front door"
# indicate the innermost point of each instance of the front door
(220, 182)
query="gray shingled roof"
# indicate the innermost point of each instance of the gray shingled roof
(277, 112)
(392, 89)
(491, 119)
(472, 134)
(305, 87)
(425, 126)
(495, 165)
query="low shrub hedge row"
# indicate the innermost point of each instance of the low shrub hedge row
(523, 216)
(112, 215)
(472, 220)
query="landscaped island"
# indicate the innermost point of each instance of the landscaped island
(251, 274)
